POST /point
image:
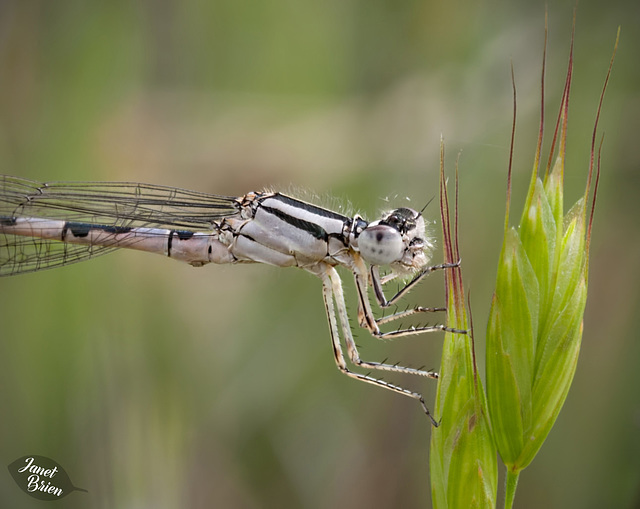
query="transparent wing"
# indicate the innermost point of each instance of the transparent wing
(28, 254)
(117, 204)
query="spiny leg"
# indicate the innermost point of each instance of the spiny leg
(414, 329)
(377, 282)
(365, 315)
(407, 312)
(332, 289)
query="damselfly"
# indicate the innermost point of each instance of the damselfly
(54, 224)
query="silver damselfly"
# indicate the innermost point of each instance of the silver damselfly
(59, 223)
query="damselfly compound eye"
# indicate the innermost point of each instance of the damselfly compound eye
(381, 245)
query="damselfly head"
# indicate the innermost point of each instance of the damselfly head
(398, 239)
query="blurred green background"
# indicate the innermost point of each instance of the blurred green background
(160, 385)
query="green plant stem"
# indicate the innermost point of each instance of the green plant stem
(511, 483)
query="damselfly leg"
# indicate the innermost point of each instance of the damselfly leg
(335, 305)
(332, 293)
(378, 282)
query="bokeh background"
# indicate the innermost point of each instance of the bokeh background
(160, 385)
